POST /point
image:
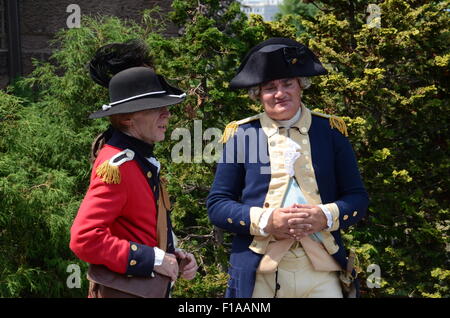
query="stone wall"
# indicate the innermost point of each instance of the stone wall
(41, 19)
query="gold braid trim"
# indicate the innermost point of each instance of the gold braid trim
(232, 127)
(335, 122)
(229, 131)
(339, 124)
(108, 173)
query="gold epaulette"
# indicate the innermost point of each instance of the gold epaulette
(109, 170)
(335, 122)
(232, 127)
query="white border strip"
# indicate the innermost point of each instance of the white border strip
(108, 106)
(179, 96)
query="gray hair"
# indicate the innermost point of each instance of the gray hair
(253, 92)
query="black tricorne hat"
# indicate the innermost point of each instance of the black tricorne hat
(276, 58)
(136, 89)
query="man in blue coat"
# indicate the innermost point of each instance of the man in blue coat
(288, 182)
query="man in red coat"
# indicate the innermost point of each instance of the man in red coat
(119, 224)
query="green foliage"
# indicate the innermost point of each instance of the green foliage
(390, 84)
(294, 11)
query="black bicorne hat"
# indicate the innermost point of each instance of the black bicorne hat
(136, 89)
(276, 58)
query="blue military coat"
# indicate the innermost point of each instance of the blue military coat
(240, 185)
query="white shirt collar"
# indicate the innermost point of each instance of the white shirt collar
(154, 162)
(288, 123)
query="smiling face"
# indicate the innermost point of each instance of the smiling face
(148, 125)
(281, 98)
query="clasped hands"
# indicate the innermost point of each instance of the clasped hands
(179, 264)
(296, 221)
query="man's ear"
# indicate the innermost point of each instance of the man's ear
(122, 121)
(126, 120)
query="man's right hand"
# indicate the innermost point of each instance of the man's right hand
(169, 267)
(277, 224)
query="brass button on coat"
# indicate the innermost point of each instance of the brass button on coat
(129, 154)
(242, 223)
(345, 217)
(355, 213)
(134, 247)
(149, 174)
(133, 262)
(229, 220)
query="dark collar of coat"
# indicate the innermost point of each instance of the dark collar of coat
(124, 141)
(142, 151)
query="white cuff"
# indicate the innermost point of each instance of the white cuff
(264, 220)
(175, 240)
(159, 256)
(328, 215)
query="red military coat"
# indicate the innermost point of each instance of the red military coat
(116, 223)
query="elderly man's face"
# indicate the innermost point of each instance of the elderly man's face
(149, 125)
(281, 98)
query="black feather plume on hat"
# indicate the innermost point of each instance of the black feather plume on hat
(113, 58)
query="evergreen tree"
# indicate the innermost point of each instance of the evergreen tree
(290, 10)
